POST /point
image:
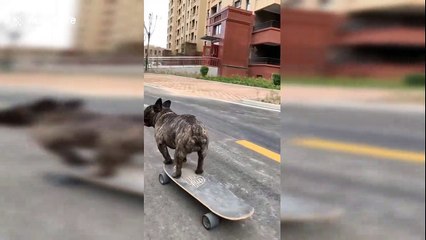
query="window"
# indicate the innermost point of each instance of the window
(214, 9)
(217, 30)
(237, 4)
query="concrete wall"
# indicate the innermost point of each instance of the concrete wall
(186, 70)
(263, 70)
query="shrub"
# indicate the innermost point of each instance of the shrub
(276, 79)
(415, 80)
(204, 70)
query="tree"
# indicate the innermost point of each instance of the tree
(13, 33)
(149, 31)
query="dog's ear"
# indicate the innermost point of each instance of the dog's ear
(158, 105)
(167, 104)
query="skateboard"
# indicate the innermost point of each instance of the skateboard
(129, 179)
(211, 193)
(297, 210)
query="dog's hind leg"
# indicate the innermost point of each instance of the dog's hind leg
(179, 157)
(201, 156)
(165, 152)
(109, 161)
(67, 154)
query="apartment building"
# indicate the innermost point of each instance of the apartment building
(382, 40)
(244, 35)
(186, 24)
(354, 38)
(108, 25)
(154, 51)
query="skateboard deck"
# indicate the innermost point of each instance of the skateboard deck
(128, 179)
(211, 193)
(294, 210)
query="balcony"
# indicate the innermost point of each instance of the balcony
(268, 24)
(267, 33)
(385, 36)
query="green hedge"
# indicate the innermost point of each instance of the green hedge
(204, 70)
(276, 79)
(247, 81)
(415, 80)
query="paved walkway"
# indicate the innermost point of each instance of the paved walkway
(290, 94)
(102, 85)
(206, 89)
(93, 85)
(318, 94)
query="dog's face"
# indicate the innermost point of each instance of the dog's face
(152, 111)
(27, 114)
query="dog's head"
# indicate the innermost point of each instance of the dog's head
(27, 114)
(153, 111)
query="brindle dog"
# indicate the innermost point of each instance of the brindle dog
(61, 127)
(184, 133)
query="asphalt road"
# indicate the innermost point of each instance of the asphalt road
(171, 213)
(36, 203)
(380, 189)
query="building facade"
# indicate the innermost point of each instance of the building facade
(108, 25)
(383, 39)
(244, 37)
(186, 24)
(154, 51)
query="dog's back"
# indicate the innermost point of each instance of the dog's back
(182, 131)
(91, 130)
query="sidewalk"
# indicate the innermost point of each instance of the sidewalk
(93, 85)
(206, 89)
(391, 100)
(318, 94)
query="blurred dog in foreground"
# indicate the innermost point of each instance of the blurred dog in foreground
(184, 133)
(62, 127)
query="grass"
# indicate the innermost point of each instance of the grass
(350, 82)
(246, 81)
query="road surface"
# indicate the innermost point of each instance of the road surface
(371, 163)
(173, 214)
(36, 204)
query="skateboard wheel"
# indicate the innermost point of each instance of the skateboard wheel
(163, 178)
(210, 221)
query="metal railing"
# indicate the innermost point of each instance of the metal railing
(158, 62)
(265, 60)
(268, 24)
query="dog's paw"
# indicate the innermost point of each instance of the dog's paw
(198, 171)
(176, 175)
(167, 162)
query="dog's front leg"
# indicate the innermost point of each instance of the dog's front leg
(165, 152)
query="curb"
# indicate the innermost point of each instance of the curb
(246, 103)
(275, 107)
(390, 108)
